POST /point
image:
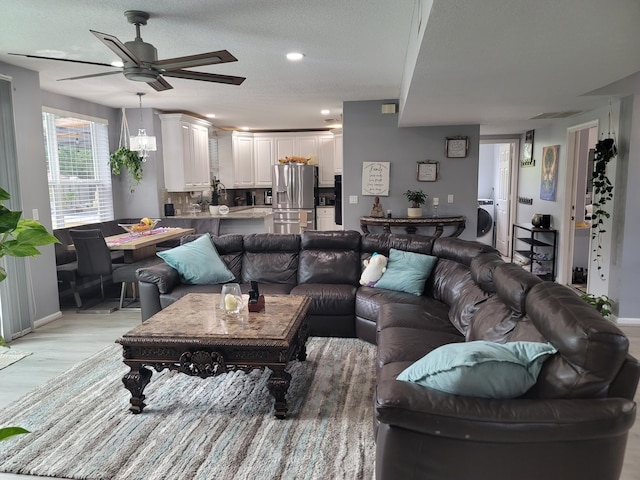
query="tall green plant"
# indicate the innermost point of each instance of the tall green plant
(19, 237)
(605, 151)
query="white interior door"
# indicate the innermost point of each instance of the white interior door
(503, 199)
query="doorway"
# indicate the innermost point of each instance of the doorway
(581, 141)
(498, 182)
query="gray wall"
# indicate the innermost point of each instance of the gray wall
(371, 136)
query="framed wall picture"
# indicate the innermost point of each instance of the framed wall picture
(427, 171)
(375, 178)
(527, 151)
(549, 180)
(456, 147)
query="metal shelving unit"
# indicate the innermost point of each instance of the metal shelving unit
(540, 247)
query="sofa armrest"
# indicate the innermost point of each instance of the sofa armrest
(431, 412)
(166, 278)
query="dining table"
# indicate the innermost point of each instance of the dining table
(141, 245)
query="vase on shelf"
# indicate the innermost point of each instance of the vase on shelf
(414, 212)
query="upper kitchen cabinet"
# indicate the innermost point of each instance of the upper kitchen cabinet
(264, 156)
(235, 153)
(337, 161)
(185, 150)
(247, 159)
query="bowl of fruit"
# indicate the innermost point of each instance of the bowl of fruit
(143, 227)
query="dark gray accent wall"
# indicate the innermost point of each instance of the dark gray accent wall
(370, 135)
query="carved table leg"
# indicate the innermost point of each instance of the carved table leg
(278, 385)
(135, 381)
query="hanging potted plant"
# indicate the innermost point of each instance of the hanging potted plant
(125, 159)
(605, 151)
(19, 237)
(417, 198)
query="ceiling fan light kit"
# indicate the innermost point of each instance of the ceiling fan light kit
(141, 64)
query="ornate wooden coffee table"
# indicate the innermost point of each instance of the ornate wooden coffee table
(194, 336)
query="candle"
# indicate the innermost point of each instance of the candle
(436, 201)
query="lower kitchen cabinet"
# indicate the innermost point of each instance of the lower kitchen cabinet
(325, 219)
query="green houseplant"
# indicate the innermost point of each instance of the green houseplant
(601, 303)
(19, 237)
(129, 160)
(417, 198)
(605, 151)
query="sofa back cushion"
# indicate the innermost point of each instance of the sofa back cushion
(329, 257)
(382, 243)
(270, 258)
(461, 251)
(591, 349)
(512, 284)
(451, 283)
(493, 321)
(482, 268)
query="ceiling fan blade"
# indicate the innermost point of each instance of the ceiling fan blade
(160, 84)
(63, 60)
(117, 47)
(210, 58)
(91, 75)
(207, 77)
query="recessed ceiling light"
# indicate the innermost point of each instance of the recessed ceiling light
(211, 115)
(325, 112)
(295, 56)
(117, 63)
(244, 128)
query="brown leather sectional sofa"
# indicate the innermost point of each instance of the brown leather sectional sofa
(572, 424)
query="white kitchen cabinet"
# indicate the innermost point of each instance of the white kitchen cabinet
(337, 160)
(326, 160)
(235, 153)
(325, 219)
(294, 144)
(264, 159)
(185, 151)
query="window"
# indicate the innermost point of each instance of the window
(77, 155)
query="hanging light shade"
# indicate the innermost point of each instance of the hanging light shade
(142, 143)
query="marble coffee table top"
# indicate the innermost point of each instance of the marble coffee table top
(198, 318)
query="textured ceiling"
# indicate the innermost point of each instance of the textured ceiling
(496, 63)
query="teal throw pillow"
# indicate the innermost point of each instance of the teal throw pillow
(198, 262)
(481, 368)
(406, 271)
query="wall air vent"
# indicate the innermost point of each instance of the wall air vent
(569, 113)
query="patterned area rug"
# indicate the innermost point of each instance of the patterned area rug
(9, 356)
(217, 428)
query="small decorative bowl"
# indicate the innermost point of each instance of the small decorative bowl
(138, 229)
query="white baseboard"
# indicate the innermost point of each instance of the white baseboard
(48, 319)
(628, 321)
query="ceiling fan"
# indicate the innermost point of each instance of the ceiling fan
(141, 62)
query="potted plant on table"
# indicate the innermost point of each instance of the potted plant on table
(417, 198)
(19, 237)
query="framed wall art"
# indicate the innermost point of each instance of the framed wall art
(527, 152)
(375, 178)
(549, 181)
(427, 171)
(456, 147)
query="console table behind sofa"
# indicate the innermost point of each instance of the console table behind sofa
(411, 224)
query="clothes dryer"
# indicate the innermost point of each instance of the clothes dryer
(486, 220)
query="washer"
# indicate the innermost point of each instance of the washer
(486, 220)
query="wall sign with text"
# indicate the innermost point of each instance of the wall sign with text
(375, 178)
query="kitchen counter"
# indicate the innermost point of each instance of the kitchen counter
(242, 220)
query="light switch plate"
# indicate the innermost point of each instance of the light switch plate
(353, 199)
(450, 199)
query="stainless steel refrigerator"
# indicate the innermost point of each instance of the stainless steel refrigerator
(295, 188)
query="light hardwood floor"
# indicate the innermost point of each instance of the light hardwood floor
(63, 343)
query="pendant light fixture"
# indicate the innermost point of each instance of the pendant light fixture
(142, 143)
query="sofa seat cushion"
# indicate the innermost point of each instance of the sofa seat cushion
(400, 344)
(431, 317)
(370, 299)
(328, 299)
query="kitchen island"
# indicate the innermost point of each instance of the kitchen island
(258, 219)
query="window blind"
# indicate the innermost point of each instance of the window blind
(77, 156)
